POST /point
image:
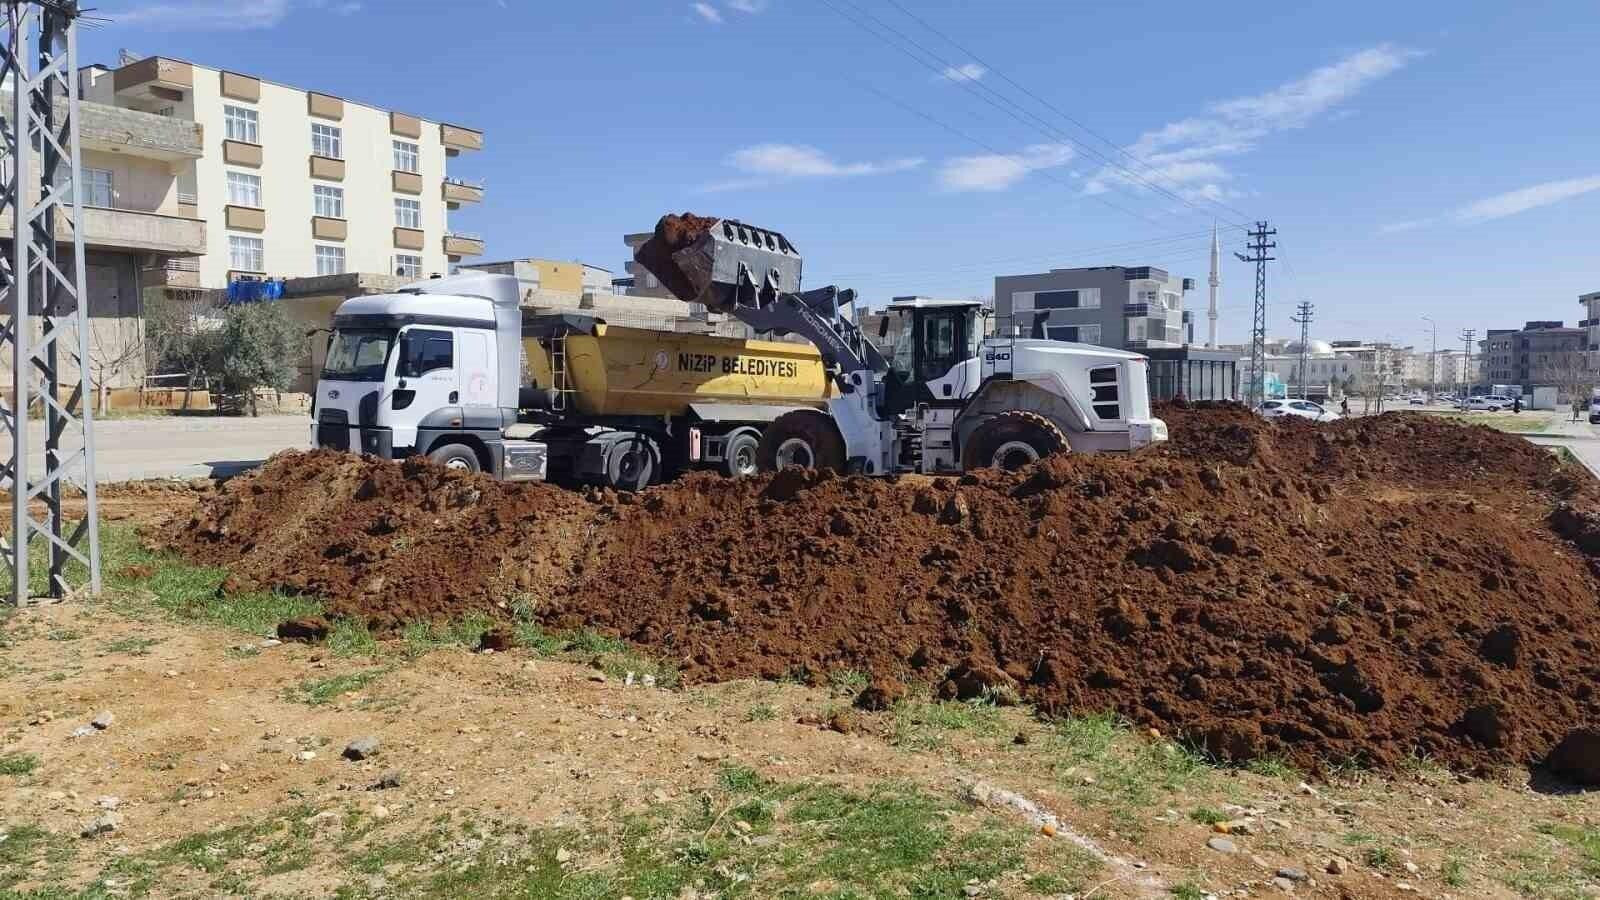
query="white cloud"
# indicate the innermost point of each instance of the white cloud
(762, 164)
(222, 15)
(1232, 127)
(997, 171)
(1500, 206)
(708, 12)
(967, 72)
(747, 6)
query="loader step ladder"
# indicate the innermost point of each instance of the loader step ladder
(560, 378)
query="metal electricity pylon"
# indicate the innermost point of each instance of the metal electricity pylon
(1258, 248)
(42, 297)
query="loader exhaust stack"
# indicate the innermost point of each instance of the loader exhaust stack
(713, 261)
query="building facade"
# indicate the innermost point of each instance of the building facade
(1539, 354)
(295, 183)
(1591, 319)
(1114, 306)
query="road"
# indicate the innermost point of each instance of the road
(1579, 437)
(181, 446)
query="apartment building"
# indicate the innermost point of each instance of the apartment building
(137, 235)
(1134, 308)
(1539, 354)
(1591, 319)
(296, 183)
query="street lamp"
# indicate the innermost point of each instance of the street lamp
(1433, 360)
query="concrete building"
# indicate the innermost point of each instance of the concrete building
(1114, 306)
(1591, 320)
(297, 183)
(1539, 354)
(138, 235)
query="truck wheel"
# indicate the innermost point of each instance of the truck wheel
(1012, 440)
(804, 438)
(630, 465)
(456, 456)
(739, 458)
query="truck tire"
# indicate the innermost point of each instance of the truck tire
(801, 437)
(456, 456)
(630, 464)
(739, 457)
(1012, 440)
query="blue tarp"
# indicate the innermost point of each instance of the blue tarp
(254, 291)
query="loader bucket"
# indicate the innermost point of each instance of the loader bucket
(699, 259)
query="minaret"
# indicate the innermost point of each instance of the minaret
(1216, 282)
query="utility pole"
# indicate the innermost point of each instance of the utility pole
(1433, 360)
(1467, 335)
(1258, 247)
(42, 287)
(1303, 317)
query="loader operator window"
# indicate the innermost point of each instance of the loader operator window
(1103, 392)
(357, 354)
(941, 343)
(423, 350)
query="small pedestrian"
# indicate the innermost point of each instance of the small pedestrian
(1516, 404)
(1577, 407)
(1344, 406)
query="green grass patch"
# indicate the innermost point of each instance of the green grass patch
(1274, 767)
(350, 638)
(848, 682)
(1205, 815)
(18, 764)
(326, 690)
(133, 645)
(761, 712)
(921, 724)
(1584, 840)
(1188, 890)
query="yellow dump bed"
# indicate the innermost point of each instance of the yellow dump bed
(616, 371)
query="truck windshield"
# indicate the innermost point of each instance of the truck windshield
(358, 354)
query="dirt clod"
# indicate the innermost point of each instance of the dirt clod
(312, 630)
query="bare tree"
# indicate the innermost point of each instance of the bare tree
(116, 348)
(184, 338)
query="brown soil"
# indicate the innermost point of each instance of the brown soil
(386, 544)
(1368, 590)
(673, 233)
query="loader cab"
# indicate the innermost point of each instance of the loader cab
(932, 342)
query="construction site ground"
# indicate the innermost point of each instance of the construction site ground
(577, 764)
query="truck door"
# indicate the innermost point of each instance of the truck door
(426, 380)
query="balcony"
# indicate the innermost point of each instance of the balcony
(177, 272)
(457, 245)
(324, 228)
(327, 168)
(113, 129)
(245, 218)
(408, 238)
(239, 153)
(456, 139)
(406, 182)
(130, 229)
(154, 78)
(457, 192)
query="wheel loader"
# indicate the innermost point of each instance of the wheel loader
(944, 399)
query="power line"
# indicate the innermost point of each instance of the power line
(1115, 148)
(1151, 245)
(940, 65)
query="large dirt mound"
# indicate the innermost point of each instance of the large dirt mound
(1367, 590)
(383, 543)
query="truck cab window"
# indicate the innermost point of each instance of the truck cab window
(941, 343)
(425, 350)
(357, 354)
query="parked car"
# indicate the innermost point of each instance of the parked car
(1301, 409)
(1417, 400)
(1487, 403)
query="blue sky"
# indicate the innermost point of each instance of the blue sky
(1420, 158)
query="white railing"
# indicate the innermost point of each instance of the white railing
(464, 235)
(190, 199)
(181, 264)
(464, 182)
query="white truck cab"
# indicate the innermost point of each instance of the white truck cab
(433, 369)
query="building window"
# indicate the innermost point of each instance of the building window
(407, 266)
(326, 140)
(330, 260)
(241, 124)
(244, 190)
(1103, 391)
(328, 201)
(1082, 334)
(1083, 298)
(408, 213)
(96, 187)
(246, 254)
(406, 156)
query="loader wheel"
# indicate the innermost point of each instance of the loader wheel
(1012, 440)
(456, 456)
(803, 438)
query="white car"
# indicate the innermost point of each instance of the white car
(1487, 404)
(1301, 409)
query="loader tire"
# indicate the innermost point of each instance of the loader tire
(1012, 440)
(804, 438)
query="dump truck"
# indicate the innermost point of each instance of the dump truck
(945, 399)
(454, 370)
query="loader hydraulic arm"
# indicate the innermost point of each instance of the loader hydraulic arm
(754, 275)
